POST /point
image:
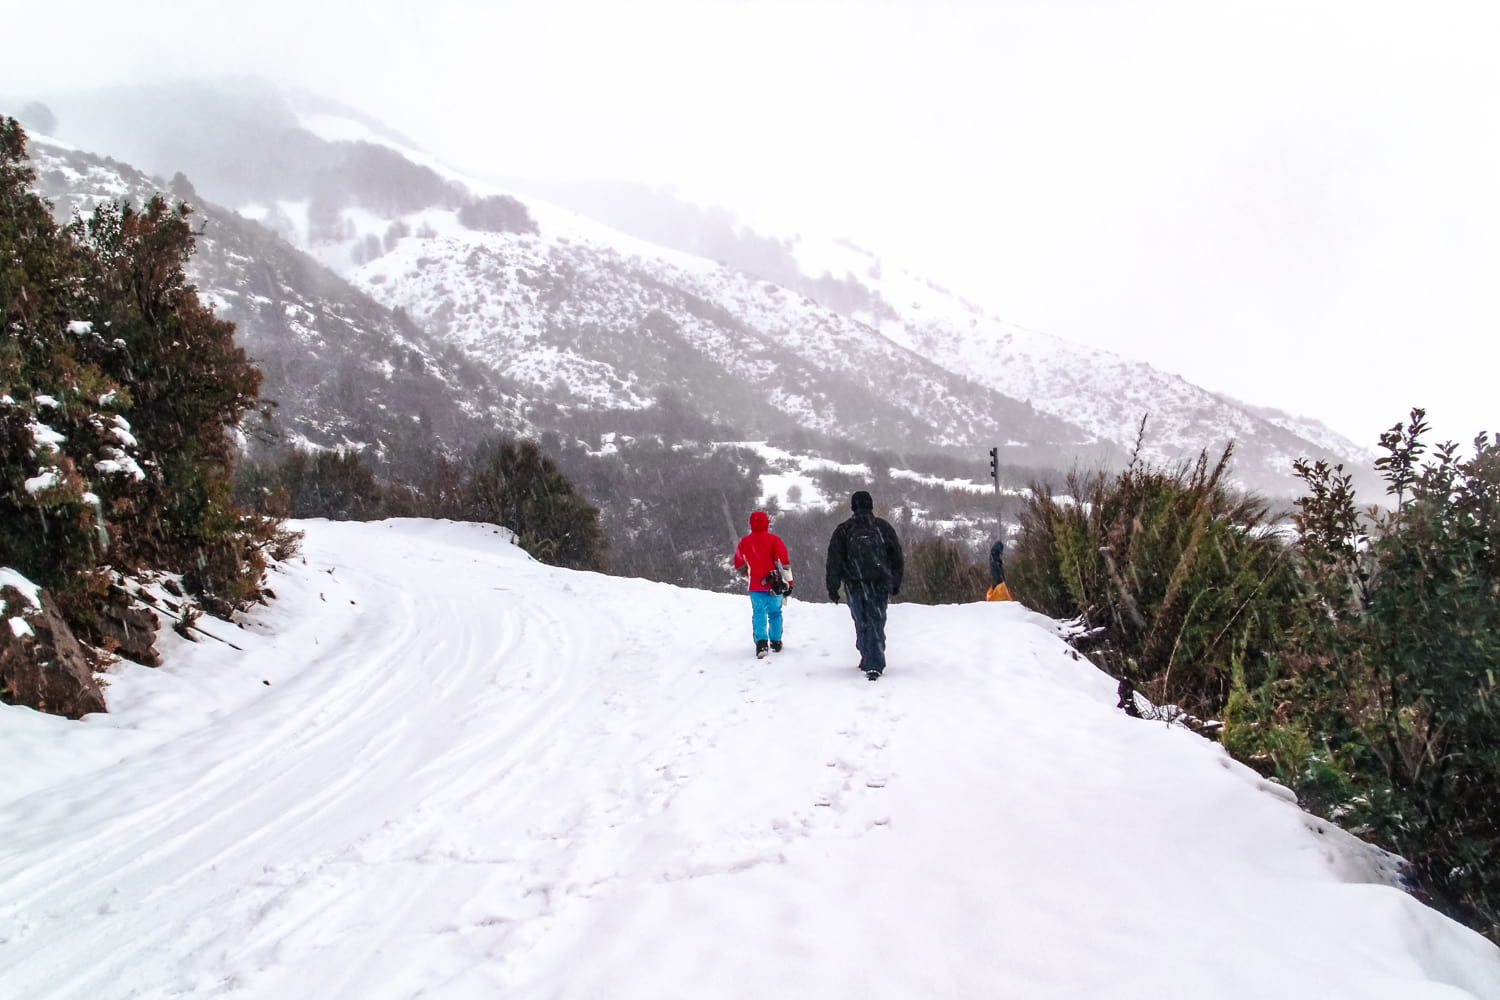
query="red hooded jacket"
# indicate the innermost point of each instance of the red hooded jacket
(760, 550)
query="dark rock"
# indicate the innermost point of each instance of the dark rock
(42, 666)
(129, 631)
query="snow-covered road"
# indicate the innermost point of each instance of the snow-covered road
(439, 769)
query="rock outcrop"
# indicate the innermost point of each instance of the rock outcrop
(127, 631)
(42, 665)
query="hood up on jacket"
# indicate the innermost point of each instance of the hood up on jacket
(760, 521)
(861, 501)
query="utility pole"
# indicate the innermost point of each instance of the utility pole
(995, 475)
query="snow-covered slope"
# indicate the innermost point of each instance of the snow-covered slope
(923, 349)
(435, 768)
(1102, 393)
(779, 334)
(582, 322)
(341, 369)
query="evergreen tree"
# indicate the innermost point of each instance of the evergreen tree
(117, 390)
(189, 383)
(58, 409)
(497, 214)
(514, 485)
(333, 484)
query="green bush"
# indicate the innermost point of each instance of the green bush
(1178, 579)
(1384, 708)
(507, 482)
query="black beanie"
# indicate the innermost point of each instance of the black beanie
(861, 501)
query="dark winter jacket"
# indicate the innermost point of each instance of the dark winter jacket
(997, 566)
(841, 568)
(759, 551)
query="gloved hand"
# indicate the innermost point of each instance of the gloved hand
(833, 595)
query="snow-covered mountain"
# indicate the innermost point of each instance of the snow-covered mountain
(436, 768)
(341, 369)
(584, 324)
(570, 314)
(1101, 393)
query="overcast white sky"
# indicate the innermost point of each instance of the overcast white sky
(1296, 203)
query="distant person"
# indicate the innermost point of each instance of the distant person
(998, 590)
(762, 559)
(864, 555)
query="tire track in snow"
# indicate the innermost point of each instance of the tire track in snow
(468, 772)
(372, 713)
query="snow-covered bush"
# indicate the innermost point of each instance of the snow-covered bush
(117, 388)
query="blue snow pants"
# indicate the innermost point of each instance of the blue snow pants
(867, 603)
(765, 615)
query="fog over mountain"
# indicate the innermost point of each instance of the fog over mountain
(347, 190)
(1286, 203)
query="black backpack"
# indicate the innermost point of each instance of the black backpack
(865, 556)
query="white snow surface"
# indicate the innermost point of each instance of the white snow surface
(44, 439)
(438, 768)
(30, 591)
(45, 480)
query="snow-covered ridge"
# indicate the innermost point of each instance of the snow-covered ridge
(1104, 395)
(343, 371)
(1100, 391)
(598, 326)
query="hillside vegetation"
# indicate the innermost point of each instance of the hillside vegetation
(1354, 658)
(118, 392)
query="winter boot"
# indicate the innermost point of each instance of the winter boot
(761, 649)
(775, 645)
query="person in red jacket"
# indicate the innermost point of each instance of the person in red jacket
(759, 557)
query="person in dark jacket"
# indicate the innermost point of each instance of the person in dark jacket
(864, 556)
(997, 563)
(998, 590)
